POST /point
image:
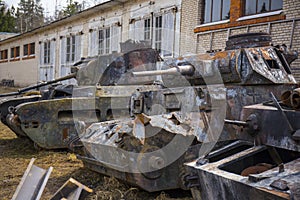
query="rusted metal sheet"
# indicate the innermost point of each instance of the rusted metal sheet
(271, 169)
(280, 133)
(72, 190)
(33, 183)
(222, 179)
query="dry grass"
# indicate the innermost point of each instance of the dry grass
(15, 155)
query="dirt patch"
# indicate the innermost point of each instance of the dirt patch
(15, 155)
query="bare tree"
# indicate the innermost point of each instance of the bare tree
(29, 15)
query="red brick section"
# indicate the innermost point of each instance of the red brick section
(236, 11)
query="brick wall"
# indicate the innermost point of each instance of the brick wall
(189, 19)
(219, 39)
(238, 31)
(296, 46)
(204, 44)
(291, 8)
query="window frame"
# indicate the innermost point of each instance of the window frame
(237, 17)
(221, 9)
(147, 29)
(47, 54)
(70, 48)
(158, 36)
(15, 53)
(30, 50)
(256, 9)
(156, 29)
(104, 42)
(4, 55)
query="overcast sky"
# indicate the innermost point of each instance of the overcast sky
(49, 5)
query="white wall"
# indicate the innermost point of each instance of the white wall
(25, 72)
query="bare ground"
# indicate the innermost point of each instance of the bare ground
(16, 153)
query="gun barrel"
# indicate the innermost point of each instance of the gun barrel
(73, 75)
(182, 69)
(9, 94)
(236, 122)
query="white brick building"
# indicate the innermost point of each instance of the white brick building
(48, 52)
(175, 27)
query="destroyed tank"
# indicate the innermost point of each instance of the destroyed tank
(264, 163)
(31, 94)
(183, 119)
(48, 119)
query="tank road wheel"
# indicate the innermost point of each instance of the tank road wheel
(151, 164)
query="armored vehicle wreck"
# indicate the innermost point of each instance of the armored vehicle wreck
(269, 168)
(173, 124)
(25, 95)
(49, 119)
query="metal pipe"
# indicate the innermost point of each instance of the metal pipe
(236, 122)
(282, 113)
(20, 91)
(183, 70)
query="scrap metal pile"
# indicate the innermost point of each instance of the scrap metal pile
(129, 120)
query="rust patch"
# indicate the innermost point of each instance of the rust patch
(65, 133)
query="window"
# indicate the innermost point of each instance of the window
(46, 52)
(107, 39)
(158, 29)
(101, 42)
(47, 59)
(70, 49)
(14, 53)
(216, 10)
(104, 41)
(70, 53)
(25, 50)
(29, 49)
(3, 55)
(253, 7)
(158, 33)
(147, 29)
